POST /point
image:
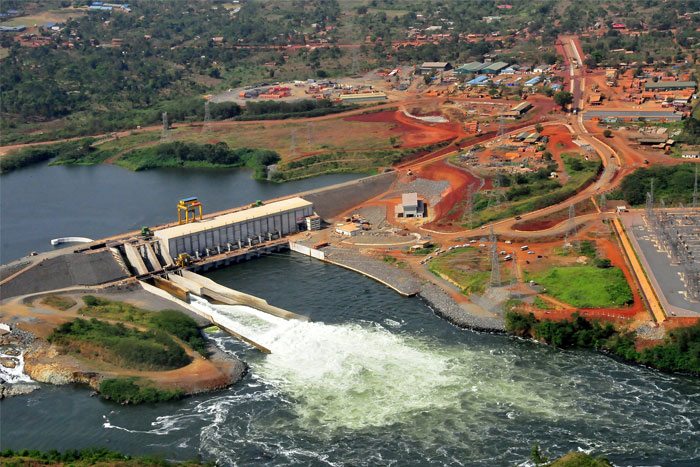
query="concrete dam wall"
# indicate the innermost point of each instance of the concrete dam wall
(333, 200)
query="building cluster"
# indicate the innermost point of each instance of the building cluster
(105, 6)
(487, 74)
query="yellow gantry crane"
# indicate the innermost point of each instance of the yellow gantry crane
(188, 206)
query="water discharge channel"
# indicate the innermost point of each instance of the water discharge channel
(373, 378)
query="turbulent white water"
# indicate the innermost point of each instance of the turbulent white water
(16, 374)
(355, 376)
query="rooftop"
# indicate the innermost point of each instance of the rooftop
(232, 218)
(409, 199)
(670, 84)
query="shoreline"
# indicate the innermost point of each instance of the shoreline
(43, 363)
(404, 280)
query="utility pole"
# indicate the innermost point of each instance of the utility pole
(695, 189)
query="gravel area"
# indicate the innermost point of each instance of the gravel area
(431, 190)
(406, 283)
(444, 306)
(375, 215)
(399, 279)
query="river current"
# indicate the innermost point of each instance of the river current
(373, 379)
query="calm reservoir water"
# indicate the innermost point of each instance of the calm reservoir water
(41, 202)
(375, 378)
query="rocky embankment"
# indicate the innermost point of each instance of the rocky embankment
(38, 361)
(405, 282)
(13, 380)
(444, 306)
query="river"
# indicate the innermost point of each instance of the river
(375, 378)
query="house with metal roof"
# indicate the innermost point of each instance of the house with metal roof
(480, 80)
(533, 81)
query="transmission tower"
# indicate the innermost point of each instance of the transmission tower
(470, 205)
(695, 189)
(570, 239)
(207, 117)
(498, 195)
(166, 128)
(495, 267)
(309, 135)
(354, 61)
(501, 127)
(293, 143)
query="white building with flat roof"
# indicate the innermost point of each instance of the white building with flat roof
(410, 206)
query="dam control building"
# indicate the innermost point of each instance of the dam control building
(237, 229)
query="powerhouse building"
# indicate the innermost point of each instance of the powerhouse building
(237, 229)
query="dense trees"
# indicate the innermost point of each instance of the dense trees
(674, 184)
(563, 98)
(184, 154)
(680, 351)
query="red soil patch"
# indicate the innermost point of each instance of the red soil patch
(413, 132)
(452, 203)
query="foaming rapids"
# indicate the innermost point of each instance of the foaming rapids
(355, 376)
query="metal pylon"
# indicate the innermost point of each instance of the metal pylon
(501, 126)
(165, 136)
(207, 117)
(570, 234)
(293, 143)
(495, 267)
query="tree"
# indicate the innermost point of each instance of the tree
(608, 133)
(563, 98)
(539, 128)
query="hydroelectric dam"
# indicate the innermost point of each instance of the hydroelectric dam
(165, 260)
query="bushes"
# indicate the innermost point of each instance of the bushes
(119, 345)
(183, 154)
(171, 321)
(63, 152)
(680, 351)
(126, 391)
(181, 326)
(87, 456)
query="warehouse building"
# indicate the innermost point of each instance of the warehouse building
(237, 229)
(494, 68)
(470, 68)
(669, 85)
(434, 67)
(363, 97)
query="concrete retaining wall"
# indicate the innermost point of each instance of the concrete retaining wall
(305, 250)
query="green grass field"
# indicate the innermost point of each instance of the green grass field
(587, 286)
(469, 267)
